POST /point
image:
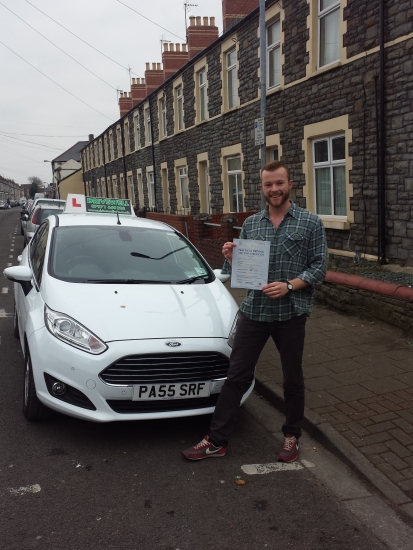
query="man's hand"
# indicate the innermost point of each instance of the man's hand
(275, 290)
(227, 251)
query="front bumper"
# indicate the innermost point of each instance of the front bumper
(81, 371)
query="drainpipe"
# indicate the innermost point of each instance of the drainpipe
(153, 156)
(382, 169)
(104, 164)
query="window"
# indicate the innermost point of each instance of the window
(106, 148)
(38, 251)
(273, 55)
(328, 31)
(231, 58)
(148, 129)
(131, 190)
(162, 108)
(115, 188)
(140, 189)
(122, 187)
(151, 189)
(137, 132)
(118, 142)
(100, 153)
(330, 175)
(165, 190)
(111, 152)
(126, 129)
(273, 154)
(202, 95)
(204, 191)
(179, 108)
(235, 184)
(184, 187)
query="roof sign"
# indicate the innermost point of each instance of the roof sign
(108, 206)
(79, 204)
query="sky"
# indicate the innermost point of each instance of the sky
(39, 119)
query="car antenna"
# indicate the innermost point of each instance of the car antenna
(118, 218)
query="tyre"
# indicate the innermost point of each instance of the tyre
(15, 322)
(33, 408)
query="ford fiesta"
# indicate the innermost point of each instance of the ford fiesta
(119, 318)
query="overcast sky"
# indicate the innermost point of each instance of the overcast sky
(34, 109)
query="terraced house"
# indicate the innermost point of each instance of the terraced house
(339, 112)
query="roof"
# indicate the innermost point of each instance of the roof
(107, 220)
(72, 153)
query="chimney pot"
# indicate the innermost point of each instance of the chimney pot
(143, 81)
(158, 66)
(184, 48)
(171, 48)
(198, 21)
(91, 137)
(177, 47)
(212, 22)
(154, 66)
(192, 20)
(206, 21)
(165, 47)
(148, 66)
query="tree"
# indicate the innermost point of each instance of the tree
(35, 184)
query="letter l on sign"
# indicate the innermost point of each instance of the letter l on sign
(74, 203)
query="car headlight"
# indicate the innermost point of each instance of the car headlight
(73, 333)
(231, 335)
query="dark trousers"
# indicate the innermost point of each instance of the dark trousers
(250, 338)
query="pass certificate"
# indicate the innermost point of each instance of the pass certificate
(250, 263)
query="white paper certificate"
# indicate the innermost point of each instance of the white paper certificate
(250, 263)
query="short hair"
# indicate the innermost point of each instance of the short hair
(274, 165)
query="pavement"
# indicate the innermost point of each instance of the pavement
(359, 396)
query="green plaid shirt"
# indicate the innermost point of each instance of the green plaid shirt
(298, 249)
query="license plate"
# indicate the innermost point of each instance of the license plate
(184, 390)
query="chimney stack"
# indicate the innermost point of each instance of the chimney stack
(138, 90)
(153, 77)
(91, 137)
(235, 10)
(125, 103)
(174, 57)
(200, 35)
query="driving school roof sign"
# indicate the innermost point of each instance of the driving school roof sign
(79, 204)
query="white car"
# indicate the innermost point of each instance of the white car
(119, 318)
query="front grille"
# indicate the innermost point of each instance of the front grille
(130, 407)
(166, 368)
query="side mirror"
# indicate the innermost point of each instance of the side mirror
(20, 274)
(25, 217)
(221, 276)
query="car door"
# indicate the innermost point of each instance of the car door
(26, 303)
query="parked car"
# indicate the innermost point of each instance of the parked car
(119, 318)
(26, 213)
(3, 205)
(37, 216)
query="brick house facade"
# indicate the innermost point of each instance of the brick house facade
(323, 120)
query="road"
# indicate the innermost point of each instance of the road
(68, 484)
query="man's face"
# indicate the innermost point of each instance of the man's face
(276, 187)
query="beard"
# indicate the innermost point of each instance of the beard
(281, 198)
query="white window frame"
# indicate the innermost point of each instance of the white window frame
(230, 70)
(151, 188)
(202, 95)
(179, 98)
(119, 141)
(162, 109)
(137, 131)
(183, 175)
(131, 189)
(206, 183)
(141, 196)
(148, 131)
(271, 48)
(329, 164)
(321, 15)
(115, 187)
(238, 174)
(127, 137)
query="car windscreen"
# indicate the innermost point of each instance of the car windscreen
(130, 255)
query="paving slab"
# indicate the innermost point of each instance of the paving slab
(359, 396)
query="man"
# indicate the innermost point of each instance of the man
(298, 262)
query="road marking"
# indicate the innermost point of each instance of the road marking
(4, 314)
(9, 265)
(11, 256)
(5, 290)
(253, 469)
(24, 490)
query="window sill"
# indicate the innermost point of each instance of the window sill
(326, 68)
(330, 223)
(274, 89)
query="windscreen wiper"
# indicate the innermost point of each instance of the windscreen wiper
(139, 255)
(191, 280)
(126, 282)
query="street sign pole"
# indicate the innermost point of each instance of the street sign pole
(263, 88)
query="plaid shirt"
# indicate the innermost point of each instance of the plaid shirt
(298, 249)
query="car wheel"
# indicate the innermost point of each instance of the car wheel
(15, 322)
(33, 408)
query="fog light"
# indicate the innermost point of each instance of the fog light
(58, 388)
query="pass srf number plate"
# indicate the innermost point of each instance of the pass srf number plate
(182, 390)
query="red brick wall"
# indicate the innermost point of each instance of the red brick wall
(236, 9)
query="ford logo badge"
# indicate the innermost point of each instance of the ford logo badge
(173, 344)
